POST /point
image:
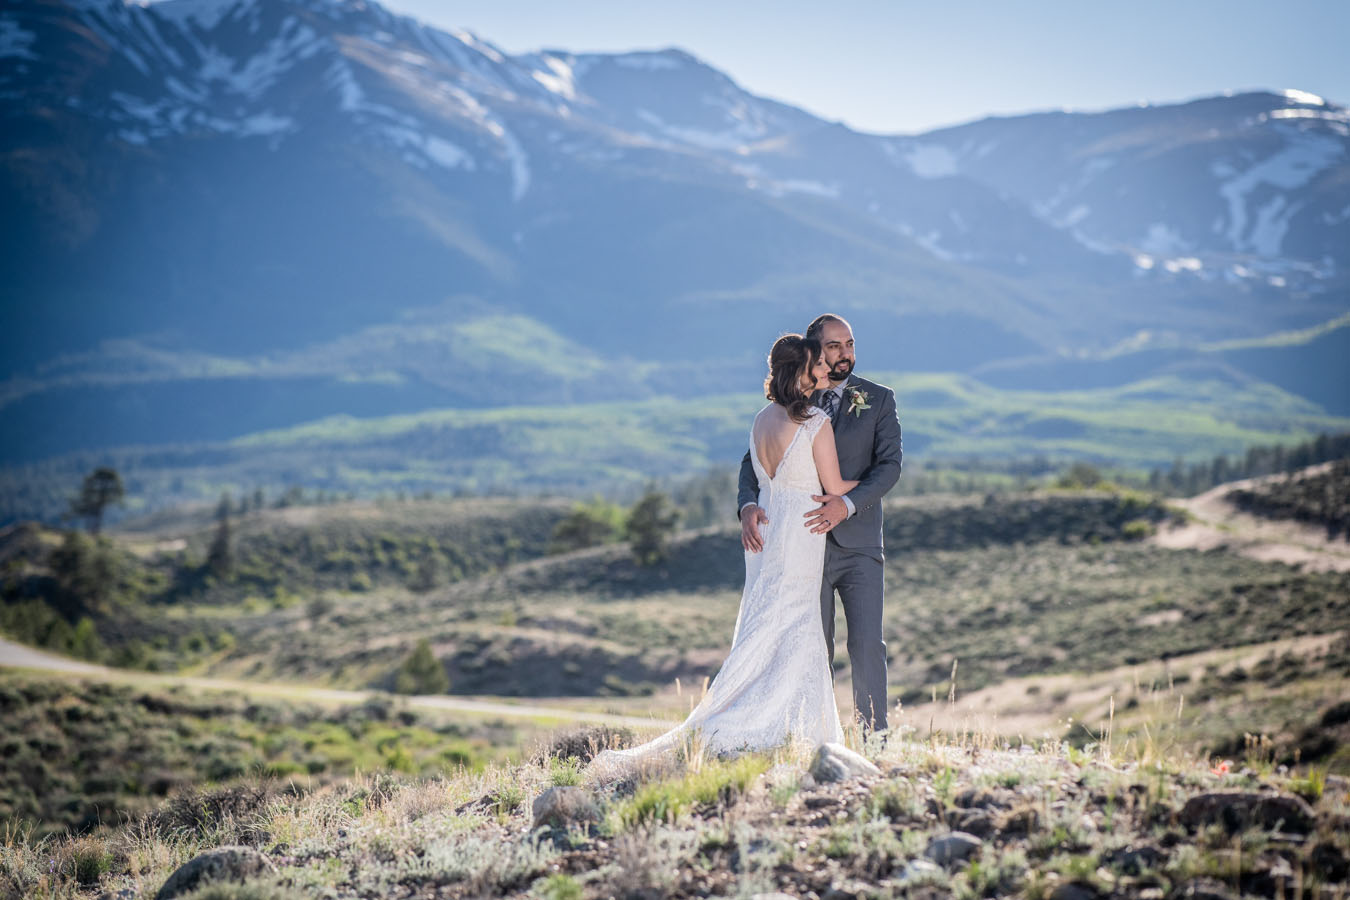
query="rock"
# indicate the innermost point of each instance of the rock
(1133, 860)
(819, 801)
(974, 821)
(1236, 810)
(776, 895)
(835, 762)
(848, 890)
(918, 870)
(1075, 890)
(1020, 822)
(1203, 889)
(562, 807)
(1336, 784)
(1329, 862)
(1273, 877)
(123, 894)
(952, 847)
(806, 782)
(237, 864)
(980, 798)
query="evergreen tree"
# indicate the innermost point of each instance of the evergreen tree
(651, 522)
(220, 557)
(428, 574)
(85, 571)
(422, 673)
(102, 488)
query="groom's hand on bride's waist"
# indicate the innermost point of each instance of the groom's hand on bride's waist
(831, 512)
(751, 518)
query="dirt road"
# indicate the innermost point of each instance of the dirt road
(17, 656)
(1215, 523)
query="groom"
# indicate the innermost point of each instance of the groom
(867, 438)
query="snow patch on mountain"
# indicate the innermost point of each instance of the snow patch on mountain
(295, 42)
(422, 148)
(1163, 239)
(1304, 97)
(730, 140)
(14, 41)
(1304, 155)
(556, 76)
(924, 160)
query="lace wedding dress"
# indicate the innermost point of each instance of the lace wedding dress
(775, 684)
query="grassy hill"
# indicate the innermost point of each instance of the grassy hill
(149, 596)
(81, 753)
(616, 447)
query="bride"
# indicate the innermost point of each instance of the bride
(775, 685)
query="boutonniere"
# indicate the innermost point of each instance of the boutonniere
(857, 401)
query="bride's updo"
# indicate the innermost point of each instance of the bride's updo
(791, 357)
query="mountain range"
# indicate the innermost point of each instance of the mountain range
(222, 216)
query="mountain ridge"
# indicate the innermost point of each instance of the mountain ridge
(334, 192)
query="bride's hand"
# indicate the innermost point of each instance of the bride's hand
(751, 518)
(830, 513)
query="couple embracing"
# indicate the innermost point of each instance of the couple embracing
(822, 455)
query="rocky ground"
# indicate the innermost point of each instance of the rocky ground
(968, 817)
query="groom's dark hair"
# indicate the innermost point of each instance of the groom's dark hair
(815, 328)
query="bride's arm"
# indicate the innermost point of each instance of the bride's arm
(827, 464)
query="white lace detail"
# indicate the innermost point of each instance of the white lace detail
(775, 684)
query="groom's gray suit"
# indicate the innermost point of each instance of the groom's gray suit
(869, 451)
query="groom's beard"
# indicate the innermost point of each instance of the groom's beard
(837, 373)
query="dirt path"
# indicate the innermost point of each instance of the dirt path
(1041, 706)
(1217, 523)
(18, 656)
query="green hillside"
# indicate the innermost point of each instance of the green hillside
(616, 447)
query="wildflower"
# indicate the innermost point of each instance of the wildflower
(1221, 769)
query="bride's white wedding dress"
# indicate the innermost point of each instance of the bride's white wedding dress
(775, 684)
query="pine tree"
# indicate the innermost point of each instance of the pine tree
(422, 673)
(428, 574)
(650, 524)
(102, 488)
(220, 557)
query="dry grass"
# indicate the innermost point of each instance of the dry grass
(1051, 813)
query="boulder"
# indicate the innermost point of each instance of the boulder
(835, 762)
(563, 807)
(974, 821)
(237, 864)
(1236, 810)
(1135, 859)
(1329, 862)
(952, 847)
(1075, 890)
(918, 870)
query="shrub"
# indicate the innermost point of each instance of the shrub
(584, 743)
(587, 525)
(1136, 529)
(716, 783)
(422, 672)
(561, 887)
(650, 524)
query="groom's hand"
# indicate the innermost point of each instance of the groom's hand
(830, 513)
(751, 518)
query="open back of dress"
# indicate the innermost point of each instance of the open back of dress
(775, 684)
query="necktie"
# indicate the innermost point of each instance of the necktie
(829, 402)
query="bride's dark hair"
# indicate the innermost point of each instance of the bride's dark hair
(791, 355)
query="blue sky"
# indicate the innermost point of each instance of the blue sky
(905, 66)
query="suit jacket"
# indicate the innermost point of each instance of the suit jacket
(870, 452)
